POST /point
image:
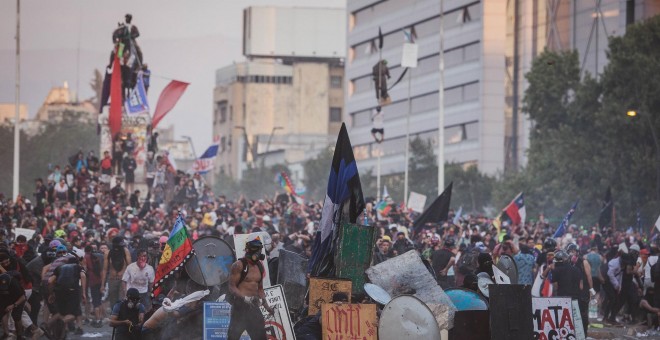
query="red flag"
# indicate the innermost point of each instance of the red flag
(168, 98)
(115, 99)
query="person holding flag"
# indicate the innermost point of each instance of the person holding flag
(178, 249)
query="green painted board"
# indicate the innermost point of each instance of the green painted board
(353, 256)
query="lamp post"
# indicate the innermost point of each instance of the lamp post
(246, 141)
(192, 146)
(634, 113)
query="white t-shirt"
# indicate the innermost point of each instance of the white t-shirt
(139, 279)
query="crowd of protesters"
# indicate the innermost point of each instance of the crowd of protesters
(96, 239)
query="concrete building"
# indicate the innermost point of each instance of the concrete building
(60, 104)
(8, 113)
(488, 48)
(284, 104)
(474, 54)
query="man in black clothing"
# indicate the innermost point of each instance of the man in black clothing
(12, 301)
(402, 245)
(67, 291)
(40, 195)
(442, 260)
(128, 316)
(566, 279)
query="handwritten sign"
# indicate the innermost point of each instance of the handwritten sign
(239, 244)
(321, 290)
(416, 202)
(349, 321)
(278, 325)
(553, 318)
(28, 233)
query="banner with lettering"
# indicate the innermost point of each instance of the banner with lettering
(553, 318)
(349, 321)
(321, 291)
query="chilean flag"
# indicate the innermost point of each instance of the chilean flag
(205, 162)
(515, 211)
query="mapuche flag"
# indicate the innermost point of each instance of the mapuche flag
(178, 250)
(344, 193)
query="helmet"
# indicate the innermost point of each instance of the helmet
(549, 244)
(572, 247)
(254, 244)
(561, 256)
(449, 242)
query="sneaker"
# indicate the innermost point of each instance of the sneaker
(97, 324)
(78, 331)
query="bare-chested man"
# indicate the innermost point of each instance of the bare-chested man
(247, 294)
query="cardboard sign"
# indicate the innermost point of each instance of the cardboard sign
(416, 202)
(28, 233)
(553, 318)
(239, 244)
(577, 321)
(217, 316)
(278, 325)
(349, 321)
(409, 55)
(321, 290)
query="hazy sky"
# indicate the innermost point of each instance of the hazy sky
(184, 40)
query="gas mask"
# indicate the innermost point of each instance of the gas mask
(132, 303)
(254, 254)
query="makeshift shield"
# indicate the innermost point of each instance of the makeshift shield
(512, 318)
(214, 256)
(353, 256)
(465, 299)
(407, 317)
(291, 272)
(508, 266)
(483, 281)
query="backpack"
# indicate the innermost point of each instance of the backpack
(231, 298)
(66, 277)
(655, 272)
(117, 258)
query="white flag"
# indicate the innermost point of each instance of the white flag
(657, 223)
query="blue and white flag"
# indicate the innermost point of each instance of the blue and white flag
(136, 102)
(561, 230)
(205, 162)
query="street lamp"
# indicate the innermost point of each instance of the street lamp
(246, 140)
(635, 113)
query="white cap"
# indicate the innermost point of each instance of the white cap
(78, 252)
(635, 247)
(266, 218)
(102, 222)
(90, 195)
(80, 220)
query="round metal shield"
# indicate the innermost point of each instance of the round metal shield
(377, 293)
(508, 266)
(214, 256)
(465, 299)
(407, 317)
(483, 280)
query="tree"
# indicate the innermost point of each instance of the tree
(97, 86)
(317, 170)
(582, 141)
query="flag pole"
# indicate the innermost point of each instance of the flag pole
(441, 104)
(17, 116)
(378, 90)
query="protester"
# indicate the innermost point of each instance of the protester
(127, 316)
(140, 275)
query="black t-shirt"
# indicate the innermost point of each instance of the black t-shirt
(440, 258)
(568, 280)
(541, 259)
(11, 295)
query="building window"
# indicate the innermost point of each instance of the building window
(221, 111)
(335, 114)
(335, 82)
(223, 144)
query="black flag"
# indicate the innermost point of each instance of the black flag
(380, 39)
(605, 218)
(344, 196)
(438, 210)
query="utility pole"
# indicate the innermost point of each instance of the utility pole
(17, 116)
(441, 104)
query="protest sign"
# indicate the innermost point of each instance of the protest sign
(349, 321)
(28, 233)
(239, 244)
(278, 325)
(553, 318)
(416, 202)
(321, 290)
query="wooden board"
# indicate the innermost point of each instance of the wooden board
(510, 318)
(321, 290)
(349, 321)
(353, 255)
